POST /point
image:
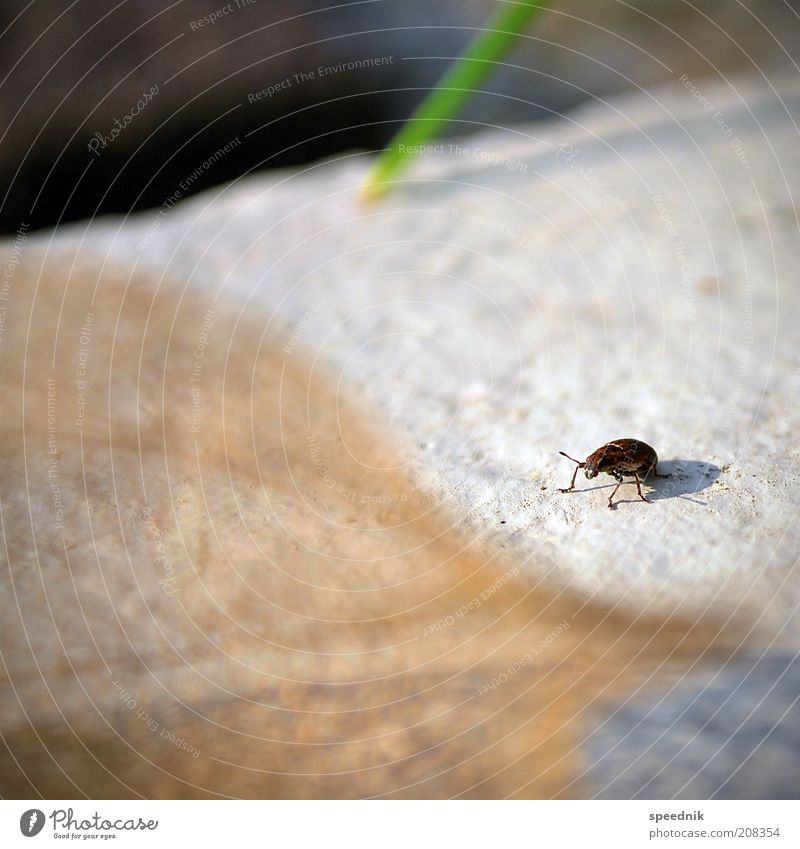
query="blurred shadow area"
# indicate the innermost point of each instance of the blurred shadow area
(733, 734)
(107, 109)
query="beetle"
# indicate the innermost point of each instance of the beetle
(617, 458)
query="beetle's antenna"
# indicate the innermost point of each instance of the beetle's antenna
(580, 463)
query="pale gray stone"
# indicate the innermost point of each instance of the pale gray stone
(629, 270)
(518, 297)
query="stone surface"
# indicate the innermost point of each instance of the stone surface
(625, 271)
(638, 282)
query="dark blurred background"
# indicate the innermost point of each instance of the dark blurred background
(163, 87)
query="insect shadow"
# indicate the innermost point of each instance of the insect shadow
(685, 478)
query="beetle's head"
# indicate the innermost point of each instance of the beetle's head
(591, 470)
(598, 461)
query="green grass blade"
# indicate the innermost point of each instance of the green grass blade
(462, 78)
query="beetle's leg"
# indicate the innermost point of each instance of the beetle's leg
(572, 482)
(610, 497)
(639, 488)
(654, 471)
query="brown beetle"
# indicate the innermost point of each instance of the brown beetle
(617, 458)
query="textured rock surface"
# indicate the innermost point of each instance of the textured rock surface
(639, 282)
(629, 270)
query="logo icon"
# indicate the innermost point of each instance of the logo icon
(31, 822)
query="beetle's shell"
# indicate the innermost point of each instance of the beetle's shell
(627, 456)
